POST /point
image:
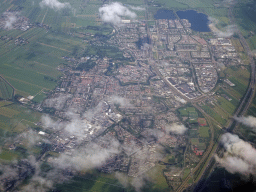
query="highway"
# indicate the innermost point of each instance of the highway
(243, 107)
(205, 156)
(251, 88)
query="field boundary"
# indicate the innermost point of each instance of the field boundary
(13, 89)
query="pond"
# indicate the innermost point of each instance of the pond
(199, 21)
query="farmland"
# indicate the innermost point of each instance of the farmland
(7, 112)
(213, 114)
(29, 67)
(74, 59)
(6, 90)
(13, 117)
(245, 17)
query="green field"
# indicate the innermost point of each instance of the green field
(185, 173)
(193, 133)
(7, 112)
(108, 183)
(191, 109)
(194, 141)
(32, 67)
(234, 100)
(91, 183)
(183, 112)
(239, 86)
(213, 114)
(221, 111)
(193, 115)
(4, 103)
(240, 77)
(201, 146)
(245, 13)
(226, 105)
(15, 119)
(156, 174)
(7, 155)
(203, 131)
(6, 91)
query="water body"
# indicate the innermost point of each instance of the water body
(165, 14)
(199, 21)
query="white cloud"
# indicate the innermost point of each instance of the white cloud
(113, 13)
(10, 19)
(122, 178)
(183, 101)
(54, 4)
(90, 157)
(239, 157)
(175, 129)
(227, 31)
(123, 102)
(137, 8)
(234, 164)
(57, 102)
(249, 121)
(80, 128)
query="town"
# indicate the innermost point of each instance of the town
(135, 97)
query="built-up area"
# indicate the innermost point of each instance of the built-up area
(139, 98)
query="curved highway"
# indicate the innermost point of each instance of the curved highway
(244, 105)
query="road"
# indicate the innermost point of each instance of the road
(251, 88)
(244, 105)
(205, 156)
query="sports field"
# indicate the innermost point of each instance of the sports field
(204, 131)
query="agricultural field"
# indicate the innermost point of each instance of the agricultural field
(213, 114)
(32, 67)
(8, 155)
(223, 92)
(221, 111)
(91, 183)
(240, 77)
(4, 103)
(157, 175)
(244, 13)
(228, 106)
(7, 112)
(6, 90)
(252, 108)
(170, 4)
(15, 118)
(237, 44)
